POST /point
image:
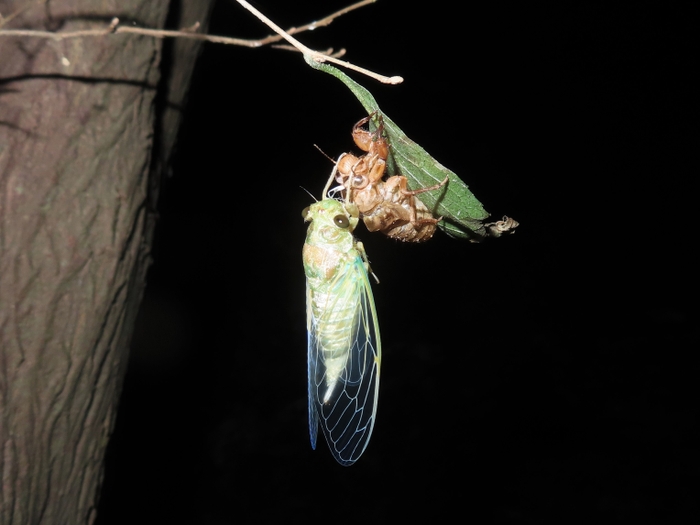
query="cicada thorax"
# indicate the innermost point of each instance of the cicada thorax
(387, 206)
(362, 182)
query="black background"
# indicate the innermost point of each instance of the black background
(549, 376)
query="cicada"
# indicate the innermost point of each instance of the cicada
(344, 349)
(386, 206)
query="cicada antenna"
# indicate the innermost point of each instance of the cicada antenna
(307, 191)
(324, 153)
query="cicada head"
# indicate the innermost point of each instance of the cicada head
(330, 212)
(330, 244)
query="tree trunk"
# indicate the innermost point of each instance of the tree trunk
(83, 138)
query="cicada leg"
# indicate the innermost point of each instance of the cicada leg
(361, 248)
(437, 186)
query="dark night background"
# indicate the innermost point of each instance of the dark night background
(545, 377)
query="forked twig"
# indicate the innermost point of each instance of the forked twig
(315, 55)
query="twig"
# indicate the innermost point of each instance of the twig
(115, 28)
(315, 55)
(329, 51)
(318, 23)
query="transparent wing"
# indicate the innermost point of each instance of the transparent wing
(344, 356)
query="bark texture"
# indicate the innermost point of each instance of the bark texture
(79, 123)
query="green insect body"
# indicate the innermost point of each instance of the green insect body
(344, 349)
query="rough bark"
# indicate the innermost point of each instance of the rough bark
(79, 122)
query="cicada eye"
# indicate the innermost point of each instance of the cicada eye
(360, 182)
(305, 213)
(341, 221)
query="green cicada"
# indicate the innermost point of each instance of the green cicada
(344, 349)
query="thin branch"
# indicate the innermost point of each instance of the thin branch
(190, 33)
(315, 55)
(4, 20)
(115, 28)
(318, 23)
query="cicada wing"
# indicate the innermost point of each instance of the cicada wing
(312, 363)
(345, 401)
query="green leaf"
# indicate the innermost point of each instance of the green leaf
(462, 214)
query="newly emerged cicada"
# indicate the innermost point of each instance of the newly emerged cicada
(344, 349)
(387, 206)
